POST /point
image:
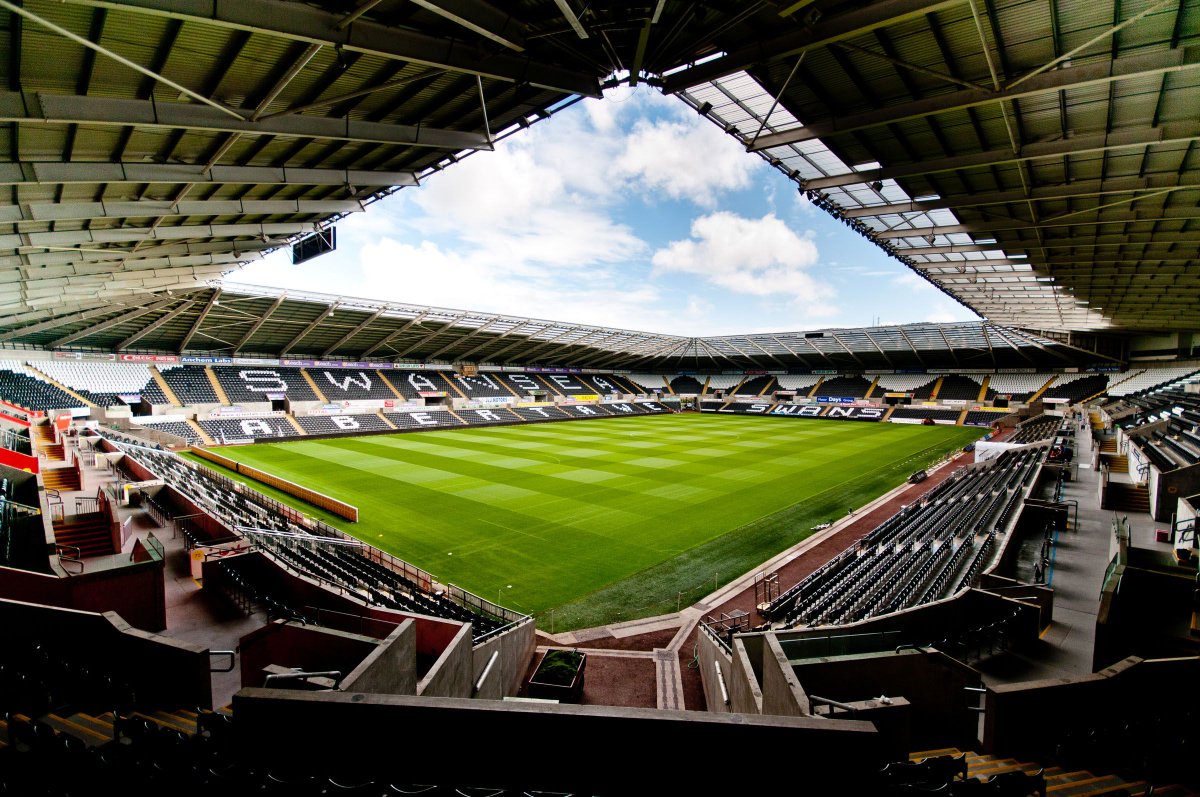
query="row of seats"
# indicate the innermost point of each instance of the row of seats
(20, 386)
(1037, 429)
(342, 424)
(103, 383)
(177, 428)
(926, 551)
(317, 552)
(926, 412)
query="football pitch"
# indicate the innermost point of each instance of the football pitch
(587, 522)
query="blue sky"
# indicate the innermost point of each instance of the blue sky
(629, 211)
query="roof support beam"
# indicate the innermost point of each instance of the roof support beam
(44, 108)
(407, 326)
(112, 322)
(40, 173)
(1172, 133)
(1074, 77)
(191, 333)
(1076, 219)
(1046, 193)
(91, 45)
(345, 338)
(146, 330)
(216, 252)
(316, 322)
(462, 340)
(564, 6)
(154, 208)
(57, 321)
(845, 26)
(262, 319)
(305, 23)
(482, 18)
(445, 326)
(50, 240)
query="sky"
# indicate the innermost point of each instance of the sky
(628, 211)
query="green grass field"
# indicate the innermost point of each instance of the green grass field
(590, 522)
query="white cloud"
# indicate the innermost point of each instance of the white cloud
(694, 162)
(757, 257)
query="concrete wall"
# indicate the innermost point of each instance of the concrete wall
(782, 695)
(571, 743)
(1064, 704)
(515, 648)
(713, 659)
(307, 648)
(932, 683)
(745, 693)
(451, 675)
(391, 668)
(1173, 486)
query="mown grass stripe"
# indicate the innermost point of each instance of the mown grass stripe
(603, 520)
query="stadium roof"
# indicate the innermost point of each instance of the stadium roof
(1036, 160)
(243, 320)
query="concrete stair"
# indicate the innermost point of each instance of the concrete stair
(1060, 782)
(89, 532)
(61, 479)
(1127, 498)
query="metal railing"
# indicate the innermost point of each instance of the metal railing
(69, 554)
(824, 701)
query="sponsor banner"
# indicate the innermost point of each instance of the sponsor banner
(1055, 401)
(910, 370)
(76, 355)
(431, 393)
(955, 402)
(153, 419)
(389, 404)
(879, 373)
(958, 371)
(552, 370)
(254, 361)
(328, 363)
(378, 365)
(275, 396)
(826, 372)
(149, 358)
(1016, 370)
(130, 398)
(206, 360)
(835, 399)
(492, 401)
(290, 363)
(896, 395)
(785, 392)
(535, 404)
(754, 373)
(587, 397)
(226, 412)
(1104, 369)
